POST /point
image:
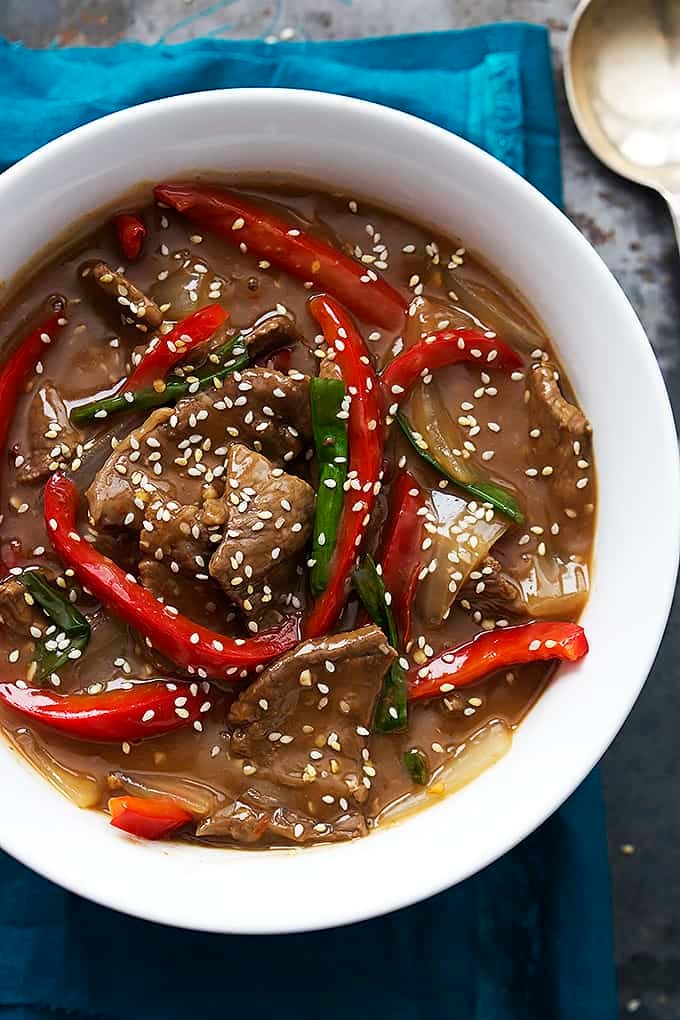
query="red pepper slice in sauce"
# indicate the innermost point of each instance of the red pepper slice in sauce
(167, 349)
(494, 650)
(131, 233)
(147, 709)
(401, 554)
(241, 221)
(175, 636)
(366, 441)
(22, 361)
(148, 817)
(447, 347)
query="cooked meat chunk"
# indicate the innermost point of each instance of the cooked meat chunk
(201, 601)
(135, 307)
(180, 453)
(560, 435)
(264, 602)
(16, 611)
(492, 591)
(175, 534)
(239, 820)
(53, 438)
(269, 520)
(267, 517)
(304, 722)
(271, 332)
(256, 814)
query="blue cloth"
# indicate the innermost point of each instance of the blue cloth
(527, 939)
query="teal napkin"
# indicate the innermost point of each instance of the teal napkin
(530, 937)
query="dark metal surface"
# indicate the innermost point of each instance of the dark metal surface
(632, 231)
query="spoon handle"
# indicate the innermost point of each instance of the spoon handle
(673, 200)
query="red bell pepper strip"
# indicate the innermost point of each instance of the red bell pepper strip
(131, 233)
(148, 817)
(15, 373)
(164, 351)
(175, 636)
(240, 221)
(447, 347)
(493, 650)
(366, 441)
(401, 552)
(147, 709)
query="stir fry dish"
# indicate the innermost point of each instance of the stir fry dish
(297, 515)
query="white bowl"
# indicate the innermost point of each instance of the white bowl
(434, 177)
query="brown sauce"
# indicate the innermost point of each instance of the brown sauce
(447, 285)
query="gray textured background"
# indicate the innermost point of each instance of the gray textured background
(631, 230)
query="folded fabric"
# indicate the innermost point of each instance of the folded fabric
(529, 938)
(492, 85)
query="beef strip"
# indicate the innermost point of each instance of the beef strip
(175, 534)
(202, 601)
(564, 438)
(271, 332)
(268, 521)
(180, 453)
(17, 613)
(135, 307)
(257, 813)
(303, 725)
(492, 591)
(53, 438)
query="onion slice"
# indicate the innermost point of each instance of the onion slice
(83, 789)
(464, 534)
(199, 799)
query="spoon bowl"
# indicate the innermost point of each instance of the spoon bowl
(622, 76)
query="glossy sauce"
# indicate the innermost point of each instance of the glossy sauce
(92, 355)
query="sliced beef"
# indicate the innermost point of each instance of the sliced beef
(268, 521)
(257, 814)
(201, 601)
(53, 438)
(265, 602)
(17, 612)
(492, 591)
(180, 453)
(562, 434)
(270, 333)
(175, 534)
(134, 306)
(303, 725)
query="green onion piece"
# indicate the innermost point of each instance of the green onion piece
(416, 766)
(486, 491)
(392, 710)
(148, 397)
(332, 447)
(67, 619)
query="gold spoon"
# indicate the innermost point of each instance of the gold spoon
(622, 75)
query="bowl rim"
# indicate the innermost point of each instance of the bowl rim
(427, 883)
